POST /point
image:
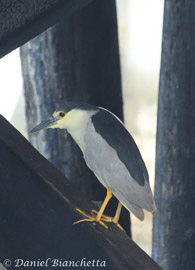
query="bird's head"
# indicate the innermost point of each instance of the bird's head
(68, 115)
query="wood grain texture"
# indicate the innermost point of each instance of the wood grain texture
(174, 222)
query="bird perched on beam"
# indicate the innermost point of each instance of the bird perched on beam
(111, 153)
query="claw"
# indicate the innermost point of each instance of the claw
(90, 218)
(108, 219)
(98, 216)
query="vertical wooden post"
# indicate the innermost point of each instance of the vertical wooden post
(174, 222)
(78, 60)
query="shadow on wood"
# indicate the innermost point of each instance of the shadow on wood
(37, 206)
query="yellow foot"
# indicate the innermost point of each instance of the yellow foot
(90, 218)
(107, 219)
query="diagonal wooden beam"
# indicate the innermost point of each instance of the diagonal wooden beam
(20, 21)
(37, 206)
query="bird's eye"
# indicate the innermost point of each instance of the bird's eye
(61, 114)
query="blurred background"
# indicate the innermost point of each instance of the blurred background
(140, 33)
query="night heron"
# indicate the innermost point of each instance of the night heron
(111, 153)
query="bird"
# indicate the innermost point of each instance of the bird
(111, 153)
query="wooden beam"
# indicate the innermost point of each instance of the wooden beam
(174, 222)
(37, 206)
(21, 21)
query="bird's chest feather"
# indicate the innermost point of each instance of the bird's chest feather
(99, 156)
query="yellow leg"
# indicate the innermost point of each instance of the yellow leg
(103, 207)
(117, 214)
(92, 218)
(114, 219)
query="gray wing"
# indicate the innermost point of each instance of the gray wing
(117, 136)
(104, 161)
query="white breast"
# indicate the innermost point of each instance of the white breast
(77, 127)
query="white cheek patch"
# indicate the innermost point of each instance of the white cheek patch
(61, 123)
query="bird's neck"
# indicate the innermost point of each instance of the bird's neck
(78, 127)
